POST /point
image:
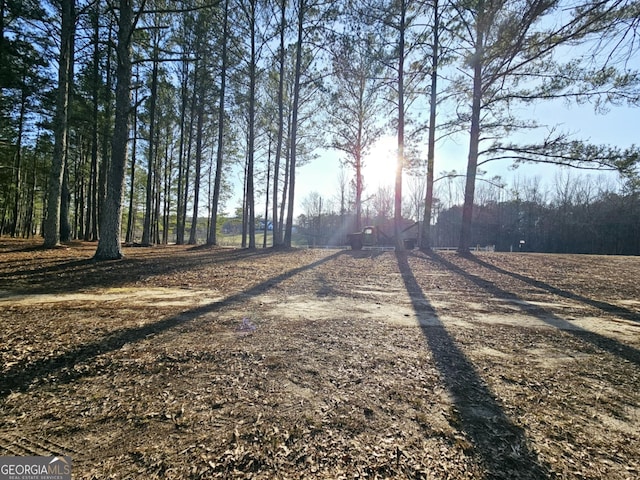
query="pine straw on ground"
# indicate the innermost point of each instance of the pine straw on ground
(188, 362)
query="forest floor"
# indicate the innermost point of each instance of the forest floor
(189, 362)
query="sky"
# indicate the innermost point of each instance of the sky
(618, 127)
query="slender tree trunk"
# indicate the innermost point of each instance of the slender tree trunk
(52, 221)
(65, 201)
(343, 208)
(91, 230)
(156, 213)
(181, 154)
(474, 145)
(131, 217)
(279, 141)
(285, 183)
(294, 126)
(213, 226)
(193, 237)
(167, 187)
(266, 201)
(251, 204)
(187, 165)
(109, 247)
(107, 136)
(209, 196)
(32, 197)
(3, 217)
(15, 223)
(359, 188)
(426, 241)
(17, 165)
(400, 160)
(79, 192)
(243, 243)
(149, 204)
(28, 228)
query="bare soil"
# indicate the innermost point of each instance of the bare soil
(189, 362)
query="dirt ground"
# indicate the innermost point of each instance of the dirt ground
(190, 362)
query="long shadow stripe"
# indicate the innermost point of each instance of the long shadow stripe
(501, 445)
(608, 344)
(88, 272)
(604, 306)
(19, 377)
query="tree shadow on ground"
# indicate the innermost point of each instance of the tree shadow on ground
(501, 445)
(604, 306)
(19, 377)
(608, 344)
(66, 276)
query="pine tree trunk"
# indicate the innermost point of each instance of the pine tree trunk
(426, 241)
(32, 198)
(213, 226)
(397, 219)
(193, 237)
(109, 247)
(129, 237)
(17, 165)
(243, 242)
(51, 227)
(187, 164)
(65, 197)
(65, 200)
(294, 126)
(276, 238)
(181, 154)
(156, 212)
(474, 145)
(79, 196)
(167, 187)
(251, 204)
(285, 183)
(107, 135)
(266, 196)
(359, 188)
(90, 228)
(149, 204)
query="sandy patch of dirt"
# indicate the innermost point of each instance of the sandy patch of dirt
(139, 296)
(181, 362)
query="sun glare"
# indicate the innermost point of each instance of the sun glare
(380, 164)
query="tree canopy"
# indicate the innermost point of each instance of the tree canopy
(146, 117)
